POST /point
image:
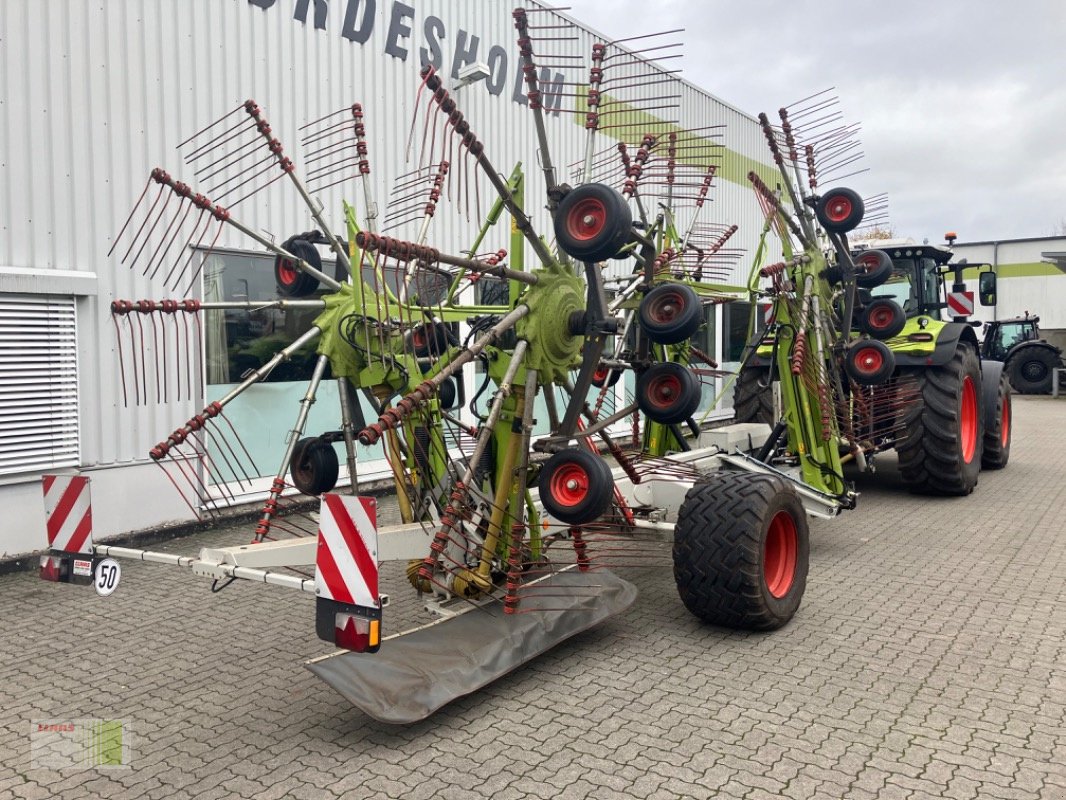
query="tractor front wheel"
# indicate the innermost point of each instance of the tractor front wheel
(943, 434)
(998, 428)
(741, 551)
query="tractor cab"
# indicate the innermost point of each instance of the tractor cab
(916, 279)
(1002, 335)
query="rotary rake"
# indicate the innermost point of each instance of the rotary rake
(509, 537)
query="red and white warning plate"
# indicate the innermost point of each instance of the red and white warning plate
(346, 566)
(68, 513)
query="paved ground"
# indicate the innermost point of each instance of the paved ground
(928, 660)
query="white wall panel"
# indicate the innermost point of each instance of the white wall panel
(95, 93)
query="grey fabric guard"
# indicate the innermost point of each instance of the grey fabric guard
(415, 674)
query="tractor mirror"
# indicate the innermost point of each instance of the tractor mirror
(986, 288)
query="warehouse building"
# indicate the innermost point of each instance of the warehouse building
(95, 95)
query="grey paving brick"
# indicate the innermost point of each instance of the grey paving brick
(928, 661)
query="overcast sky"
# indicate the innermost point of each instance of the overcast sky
(962, 104)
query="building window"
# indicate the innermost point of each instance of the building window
(38, 383)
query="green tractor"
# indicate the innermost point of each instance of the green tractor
(916, 382)
(1028, 360)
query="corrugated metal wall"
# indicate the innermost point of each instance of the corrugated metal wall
(94, 94)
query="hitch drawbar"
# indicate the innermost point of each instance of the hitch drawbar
(348, 602)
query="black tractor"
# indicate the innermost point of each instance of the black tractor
(1028, 359)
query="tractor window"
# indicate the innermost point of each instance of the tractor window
(899, 286)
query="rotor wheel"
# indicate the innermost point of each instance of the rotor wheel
(668, 392)
(670, 313)
(314, 466)
(741, 550)
(869, 362)
(996, 452)
(883, 318)
(593, 222)
(753, 396)
(575, 486)
(872, 268)
(943, 436)
(840, 210)
(290, 279)
(605, 376)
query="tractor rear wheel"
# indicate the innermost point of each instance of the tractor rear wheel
(1031, 369)
(943, 429)
(997, 436)
(741, 551)
(753, 396)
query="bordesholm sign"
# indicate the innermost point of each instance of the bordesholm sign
(396, 28)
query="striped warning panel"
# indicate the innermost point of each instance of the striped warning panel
(68, 513)
(960, 304)
(346, 565)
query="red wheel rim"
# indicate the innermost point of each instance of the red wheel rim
(600, 375)
(286, 273)
(968, 420)
(418, 337)
(781, 554)
(569, 485)
(838, 209)
(867, 264)
(586, 219)
(663, 392)
(665, 308)
(868, 360)
(881, 317)
(1004, 429)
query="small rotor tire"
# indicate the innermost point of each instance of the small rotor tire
(593, 222)
(840, 210)
(883, 318)
(314, 466)
(292, 281)
(872, 268)
(753, 396)
(943, 432)
(869, 362)
(668, 392)
(741, 551)
(670, 313)
(575, 486)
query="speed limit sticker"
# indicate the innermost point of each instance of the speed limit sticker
(108, 574)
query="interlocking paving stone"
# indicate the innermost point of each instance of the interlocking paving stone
(928, 660)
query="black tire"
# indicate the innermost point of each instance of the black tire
(446, 394)
(668, 392)
(872, 268)
(593, 222)
(741, 551)
(998, 424)
(943, 430)
(670, 313)
(604, 376)
(840, 210)
(869, 362)
(290, 279)
(753, 396)
(883, 318)
(1030, 369)
(575, 486)
(314, 466)
(430, 339)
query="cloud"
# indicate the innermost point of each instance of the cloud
(962, 104)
